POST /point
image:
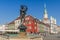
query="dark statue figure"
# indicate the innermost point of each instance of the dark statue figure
(23, 11)
(22, 28)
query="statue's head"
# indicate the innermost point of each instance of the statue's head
(23, 8)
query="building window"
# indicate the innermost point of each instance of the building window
(27, 18)
(46, 28)
(18, 22)
(35, 22)
(35, 27)
(29, 22)
(24, 23)
(30, 27)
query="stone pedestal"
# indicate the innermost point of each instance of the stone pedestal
(22, 34)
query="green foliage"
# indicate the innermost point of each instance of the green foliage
(41, 28)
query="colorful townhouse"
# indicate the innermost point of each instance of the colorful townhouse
(31, 24)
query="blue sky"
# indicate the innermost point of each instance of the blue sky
(9, 9)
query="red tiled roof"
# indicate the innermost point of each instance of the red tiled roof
(14, 20)
(36, 20)
(29, 16)
(11, 22)
(18, 18)
(40, 22)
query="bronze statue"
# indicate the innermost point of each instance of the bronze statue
(23, 11)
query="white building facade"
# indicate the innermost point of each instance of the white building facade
(51, 21)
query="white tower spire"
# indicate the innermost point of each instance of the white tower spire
(45, 12)
(51, 19)
(55, 21)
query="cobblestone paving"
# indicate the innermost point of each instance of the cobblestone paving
(52, 37)
(20, 39)
(9, 38)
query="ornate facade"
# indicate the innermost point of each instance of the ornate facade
(51, 21)
(45, 17)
